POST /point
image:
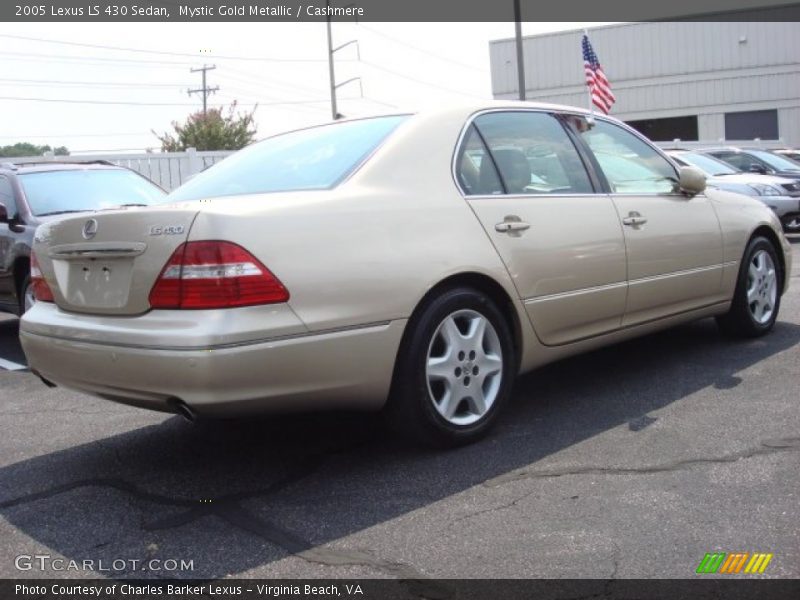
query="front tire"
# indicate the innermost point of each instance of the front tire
(454, 371)
(757, 298)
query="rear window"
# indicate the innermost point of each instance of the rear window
(57, 192)
(309, 159)
(710, 166)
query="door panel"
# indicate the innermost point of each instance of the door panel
(674, 259)
(569, 267)
(674, 242)
(562, 243)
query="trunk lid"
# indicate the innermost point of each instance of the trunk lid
(106, 262)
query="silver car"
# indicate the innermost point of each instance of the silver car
(409, 263)
(782, 195)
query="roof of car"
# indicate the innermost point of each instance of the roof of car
(739, 149)
(55, 165)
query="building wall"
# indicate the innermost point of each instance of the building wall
(667, 70)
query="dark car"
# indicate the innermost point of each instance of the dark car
(31, 194)
(757, 160)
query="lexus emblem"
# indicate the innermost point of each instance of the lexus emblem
(89, 229)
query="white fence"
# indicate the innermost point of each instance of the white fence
(167, 169)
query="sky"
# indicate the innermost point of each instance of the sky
(102, 87)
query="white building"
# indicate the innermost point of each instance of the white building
(692, 81)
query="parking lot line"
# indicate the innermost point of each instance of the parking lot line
(11, 366)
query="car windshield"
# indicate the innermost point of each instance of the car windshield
(317, 158)
(75, 190)
(710, 166)
(778, 163)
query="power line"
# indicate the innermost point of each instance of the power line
(44, 82)
(164, 52)
(67, 58)
(420, 81)
(254, 80)
(422, 50)
(70, 135)
(125, 103)
(251, 77)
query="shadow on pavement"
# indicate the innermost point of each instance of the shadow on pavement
(237, 495)
(9, 340)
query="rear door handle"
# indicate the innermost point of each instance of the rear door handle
(634, 219)
(512, 224)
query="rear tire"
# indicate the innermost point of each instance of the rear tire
(757, 298)
(454, 371)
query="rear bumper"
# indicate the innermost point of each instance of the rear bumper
(346, 368)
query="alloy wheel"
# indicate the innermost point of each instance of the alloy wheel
(762, 287)
(464, 367)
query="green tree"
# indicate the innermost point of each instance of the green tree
(28, 149)
(211, 131)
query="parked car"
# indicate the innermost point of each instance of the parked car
(401, 263)
(789, 153)
(757, 161)
(31, 194)
(782, 195)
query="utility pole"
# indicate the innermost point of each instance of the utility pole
(520, 59)
(334, 110)
(205, 90)
(331, 51)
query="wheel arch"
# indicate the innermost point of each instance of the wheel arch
(482, 283)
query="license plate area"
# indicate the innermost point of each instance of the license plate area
(94, 282)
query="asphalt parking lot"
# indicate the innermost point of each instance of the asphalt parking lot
(629, 462)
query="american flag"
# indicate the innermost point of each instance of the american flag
(599, 87)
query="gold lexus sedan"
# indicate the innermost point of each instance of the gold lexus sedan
(413, 263)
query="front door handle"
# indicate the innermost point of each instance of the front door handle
(512, 224)
(634, 219)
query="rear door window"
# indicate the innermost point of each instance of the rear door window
(533, 153)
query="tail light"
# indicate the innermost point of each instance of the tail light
(214, 274)
(41, 291)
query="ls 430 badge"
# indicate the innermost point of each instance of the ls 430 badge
(166, 230)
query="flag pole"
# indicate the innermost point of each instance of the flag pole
(588, 89)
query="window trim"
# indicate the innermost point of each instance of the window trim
(593, 181)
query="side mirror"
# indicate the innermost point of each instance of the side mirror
(692, 180)
(756, 168)
(3, 213)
